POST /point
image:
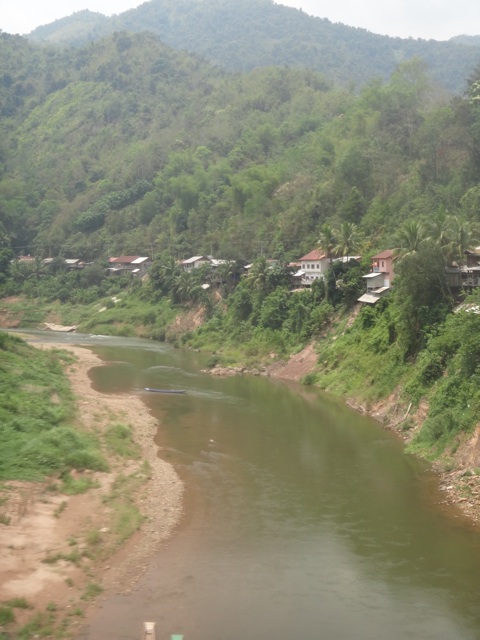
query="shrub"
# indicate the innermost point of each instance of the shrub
(6, 616)
(309, 379)
(119, 440)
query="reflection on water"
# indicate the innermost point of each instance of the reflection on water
(303, 519)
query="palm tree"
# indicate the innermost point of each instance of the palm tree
(327, 240)
(185, 288)
(348, 239)
(258, 275)
(410, 237)
(463, 236)
(438, 230)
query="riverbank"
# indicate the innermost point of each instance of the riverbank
(459, 477)
(60, 552)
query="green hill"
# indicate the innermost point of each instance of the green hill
(248, 34)
(126, 145)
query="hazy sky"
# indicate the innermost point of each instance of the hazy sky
(438, 19)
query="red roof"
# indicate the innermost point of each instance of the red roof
(314, 255)
(388, 253)
(123, 259)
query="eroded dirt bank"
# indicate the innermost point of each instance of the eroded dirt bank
(78, 534)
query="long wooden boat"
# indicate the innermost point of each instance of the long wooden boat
(165, 390)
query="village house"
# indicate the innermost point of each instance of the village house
(135, 265)
(194, 262)
(380, 278)
(470, 271)
(74, 263)
(313, 265)
(70, 263)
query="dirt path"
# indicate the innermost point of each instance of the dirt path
(77, 534)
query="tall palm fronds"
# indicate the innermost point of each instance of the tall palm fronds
(327, 240)
(258, 275)
(463, 235)
(348, 239)
(410, 237)
(438, 230)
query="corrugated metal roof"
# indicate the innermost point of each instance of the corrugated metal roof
(373, 274)
(194, 259)
(123, 259)
(368, 298)
(346, 259)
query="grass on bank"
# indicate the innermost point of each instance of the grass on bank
(124, 315)
(36, 411)
(37, 442)
(363, 361)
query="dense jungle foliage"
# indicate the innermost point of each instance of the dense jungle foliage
(247, 34)
(129, 147)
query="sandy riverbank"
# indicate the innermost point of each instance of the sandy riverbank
(44, 523)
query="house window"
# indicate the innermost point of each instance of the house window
(382, 264)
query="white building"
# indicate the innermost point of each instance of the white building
(194, 262)
(314, 265)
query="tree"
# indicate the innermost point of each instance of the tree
(410, 237)
(185, 288)
(258, 275)
(421, 297)
(163, 273)
(463, 236)
(353, 209)
(327, 240)
(348, 239)
(6, 256)
(438, 230)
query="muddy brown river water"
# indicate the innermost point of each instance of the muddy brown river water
(302, 520)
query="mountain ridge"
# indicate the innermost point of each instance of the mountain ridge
(254, 33)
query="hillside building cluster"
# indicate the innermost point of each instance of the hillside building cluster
(309, 268)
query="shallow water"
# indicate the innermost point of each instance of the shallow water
(303, 519)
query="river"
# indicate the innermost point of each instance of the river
(303, 519)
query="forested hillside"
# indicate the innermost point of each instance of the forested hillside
(127, 146)
(247, 34)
